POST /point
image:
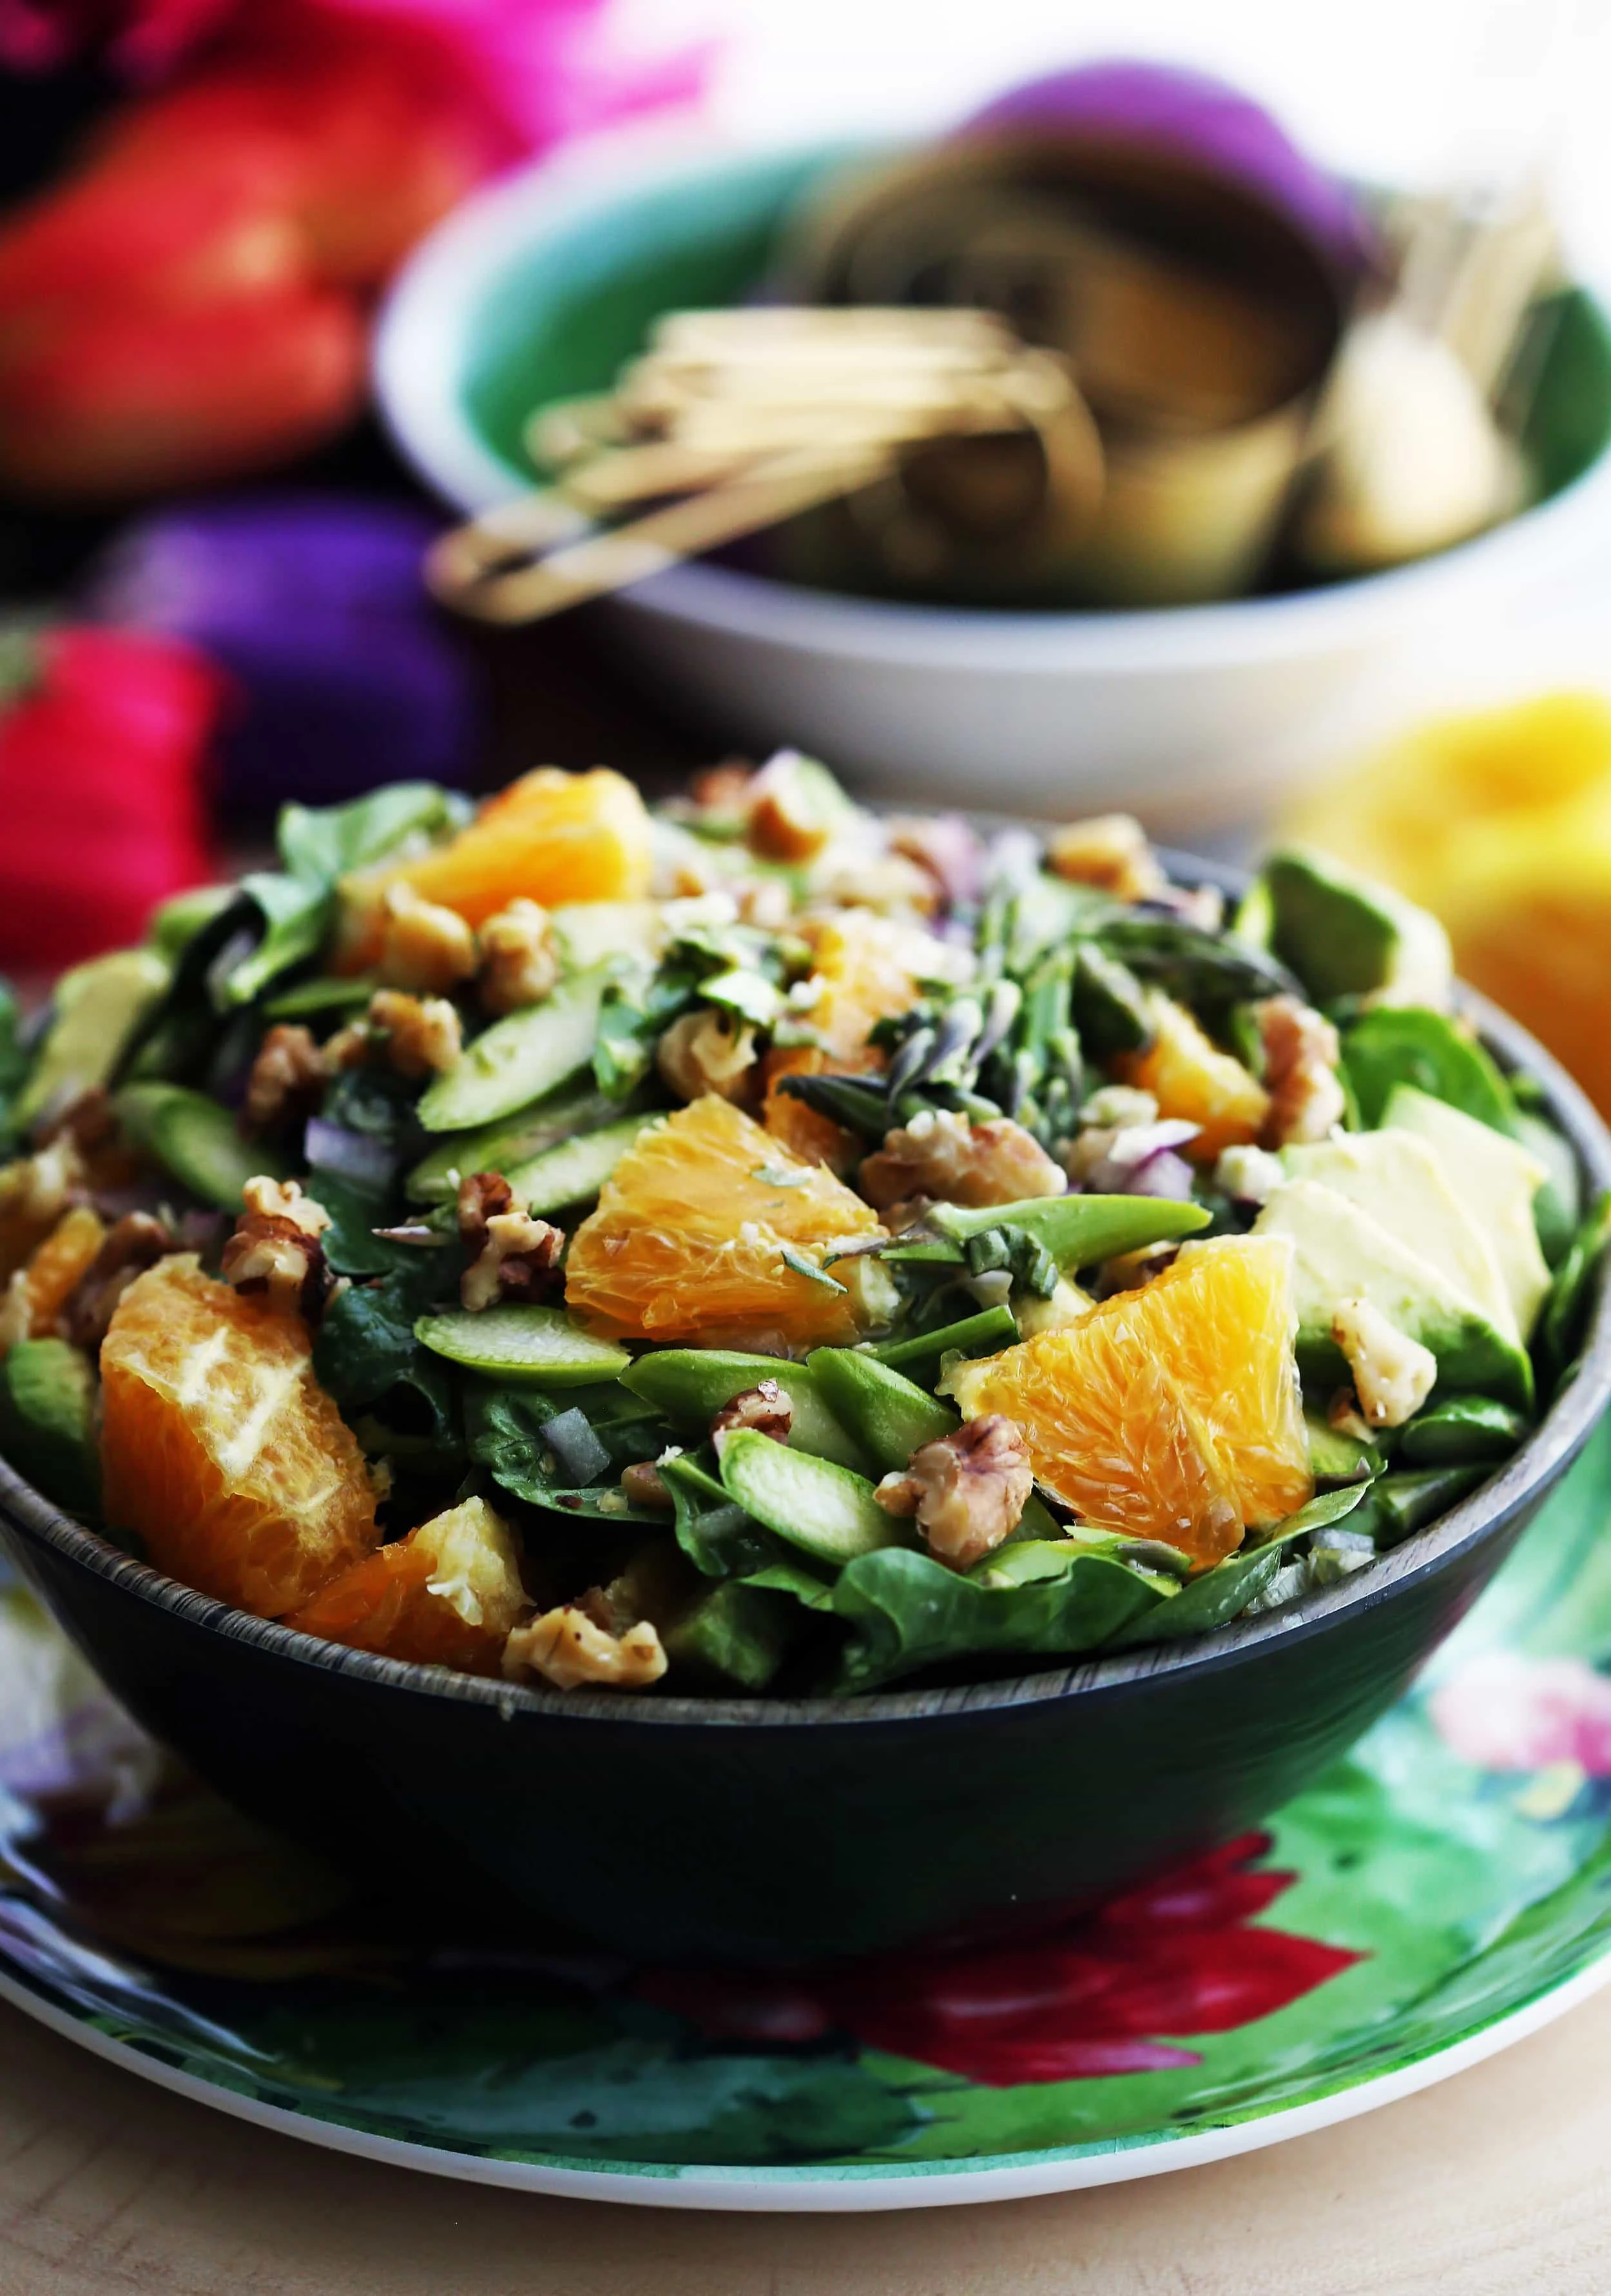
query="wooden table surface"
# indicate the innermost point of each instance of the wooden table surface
(1494, 2183)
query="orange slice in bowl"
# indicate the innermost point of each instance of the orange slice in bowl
(445, 1595)
(708, 1225)
(221, 1450)
(1173, 1411)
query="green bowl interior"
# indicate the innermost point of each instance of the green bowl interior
(563, 312)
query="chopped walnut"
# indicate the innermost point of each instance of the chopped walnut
(1344, 1417)
(569, 1648)
(1112, 852)
(33, 1193)
(16, 1312)
(520, 961)
(763, 902)
(765, 1407)
(515, 1256)
(967, 1490)
(939, 1154)
(699, 1053)
(1393, 1373)
(275, 1253)
(947, 848)
(724, 787)
(87, 1119)
(287, 1078)
(781, 822)
(421, 1035)
(423, 945)
(131, 1245)
(1301, 1053)
(642, 1485)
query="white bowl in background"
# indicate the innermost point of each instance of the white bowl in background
(1193, 716)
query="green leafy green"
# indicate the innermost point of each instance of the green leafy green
(1460, 1431)
(15, 1061)
(906, 1612)
(1564, 1315)
(1408, 1044)
(505, 1428)
(367, 1356)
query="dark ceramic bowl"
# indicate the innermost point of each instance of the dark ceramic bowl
(769, 1829)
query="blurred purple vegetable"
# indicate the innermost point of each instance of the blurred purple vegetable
(355, 1156)
(314, 601)
(1197, 118)
(1141, 1161)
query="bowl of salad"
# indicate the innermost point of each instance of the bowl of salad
(756, 1379)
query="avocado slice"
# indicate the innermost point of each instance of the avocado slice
(1345, 936)
(1344, 1253)
(1496, 1179)
(1400, 1180)
(47, 1421)
(98, 1006)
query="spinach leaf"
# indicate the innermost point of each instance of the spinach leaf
(1571, 1295)
(631, 1019)
(713, 1530)
(1408, 1044)
(294, 909)
(351, 1246)
(906, 1612)
(1216, 1596)
(505, 1428)
(322, 844)
(367, 1356)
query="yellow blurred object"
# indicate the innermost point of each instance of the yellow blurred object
(1500, 821)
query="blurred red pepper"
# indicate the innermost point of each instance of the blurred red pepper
(192, 301)
(104, 742)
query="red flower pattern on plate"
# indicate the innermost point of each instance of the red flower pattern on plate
(1180, 1956)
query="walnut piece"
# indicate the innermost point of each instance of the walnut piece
(131, 1245)
(1301, 1053)
(420, 1036)
(519, 960)
(515, 1256)
(967, 1490)
(1109, 851)
(940, 1155)
(570, 1649)
(423, 947)
(643, 1485)
(782, 821)
(699, 1053)
(275, 1252)
(1393, 1373)
(286, 1080)
(765, 1407)
(33, 1193)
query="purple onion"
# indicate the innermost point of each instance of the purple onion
(1194, 117)
(1163, 1175)
(1142, 1161)
(348, 675)
(355, 1156)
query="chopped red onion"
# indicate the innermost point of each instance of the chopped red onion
(569, 1436)
(1134, 1148)
(1166, 1174)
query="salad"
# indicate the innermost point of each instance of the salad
(755, 1245)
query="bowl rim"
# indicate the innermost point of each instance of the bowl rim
(1545, 1454)
(426, 320)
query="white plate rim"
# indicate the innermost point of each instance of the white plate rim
(842, 2190)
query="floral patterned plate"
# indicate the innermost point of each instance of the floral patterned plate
(1443, 1892)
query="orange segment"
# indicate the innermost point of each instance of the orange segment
(815, 1139)
(445, 1595)
(220, 1449)
(862, 964)
(68, 1253)
(551, 837)
(688, 1242)
(1189, 1077)
(1172, 1411)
